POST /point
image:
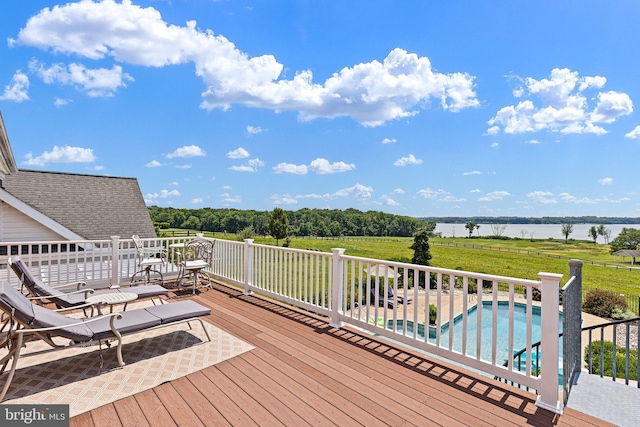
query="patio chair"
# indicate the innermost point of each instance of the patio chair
(150, 259)
(391, 302)
(195, 257)
(42, 292)
(399, 296)
(28, 322)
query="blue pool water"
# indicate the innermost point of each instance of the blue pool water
(502, 324)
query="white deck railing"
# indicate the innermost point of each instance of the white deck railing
(340, 287)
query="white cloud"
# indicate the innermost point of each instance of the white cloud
(562, 106)
(476, 190)
(389, 141)
(611, 105)
(472, 173)
(358, 191)
(173, 183)
(398, 191)
(408, 160)
(227, 187)
(227, 198)
(606, 181)
(372, 93)
(64, 154)
(428, 193)
(323, 166)
(95, 82)
(183, 166)
(451, 199)
(153, 164)
(253, 130)
(542, 197)
(494, 145)
(251, 166)
(634, 134)
(388, 201)
(187, 151)
(16, 90)
(153, 198)
(238, 153)
(197, 201)
(290, 168)
(494, 195)
(533, 141)
(59, 102)
(285, 199)
(574, 200)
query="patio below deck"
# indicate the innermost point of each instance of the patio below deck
(304, 372)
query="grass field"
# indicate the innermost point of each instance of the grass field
(500, 257)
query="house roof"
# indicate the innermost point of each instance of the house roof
(90, 206)
(7, 162)
(628, 252)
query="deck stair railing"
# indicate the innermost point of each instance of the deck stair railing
(367, 293)
(620, 333)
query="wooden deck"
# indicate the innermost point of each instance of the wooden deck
(304, 372)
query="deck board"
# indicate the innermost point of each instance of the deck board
(304, 372)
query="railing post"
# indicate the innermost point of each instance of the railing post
(115, 261)
(336, 288)
(248, 266)
(572, 327)
(550, 308)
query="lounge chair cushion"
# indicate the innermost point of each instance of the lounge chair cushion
(143, 291)
(175, 311)
(10, 297)
(45, 318)
(131, 321)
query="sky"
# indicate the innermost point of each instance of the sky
(438, 108)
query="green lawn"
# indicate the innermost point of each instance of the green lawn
(486, 258)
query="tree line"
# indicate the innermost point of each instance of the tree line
(303, 222)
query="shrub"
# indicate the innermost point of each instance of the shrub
(601, 303)
(433, 314)
(620, 314)
(608, 360)
(246, 233)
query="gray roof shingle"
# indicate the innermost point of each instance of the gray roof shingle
(92, 206)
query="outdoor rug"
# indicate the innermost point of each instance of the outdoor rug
(74, 377)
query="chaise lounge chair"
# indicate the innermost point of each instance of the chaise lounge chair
(27, 322)
(42, 291)
(399, 296)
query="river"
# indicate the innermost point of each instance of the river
(535, 231)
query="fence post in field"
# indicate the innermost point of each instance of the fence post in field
(115, 261)
(548, 386)
(336, 288)
(248, 265)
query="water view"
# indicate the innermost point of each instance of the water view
(535, 231)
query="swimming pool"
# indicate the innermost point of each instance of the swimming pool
(502, 325)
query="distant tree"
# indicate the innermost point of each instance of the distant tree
(604, 232)
(629, 238)
(498, 229)
(471, 226)
(593, 233)
(567, 228)
(523, 232)
(278, 224)
(420, 246)
(431, 228)
(421, 253)
(191, 223)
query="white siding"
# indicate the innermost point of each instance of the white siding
(18, 227)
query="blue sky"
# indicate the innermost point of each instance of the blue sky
(432, 108)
